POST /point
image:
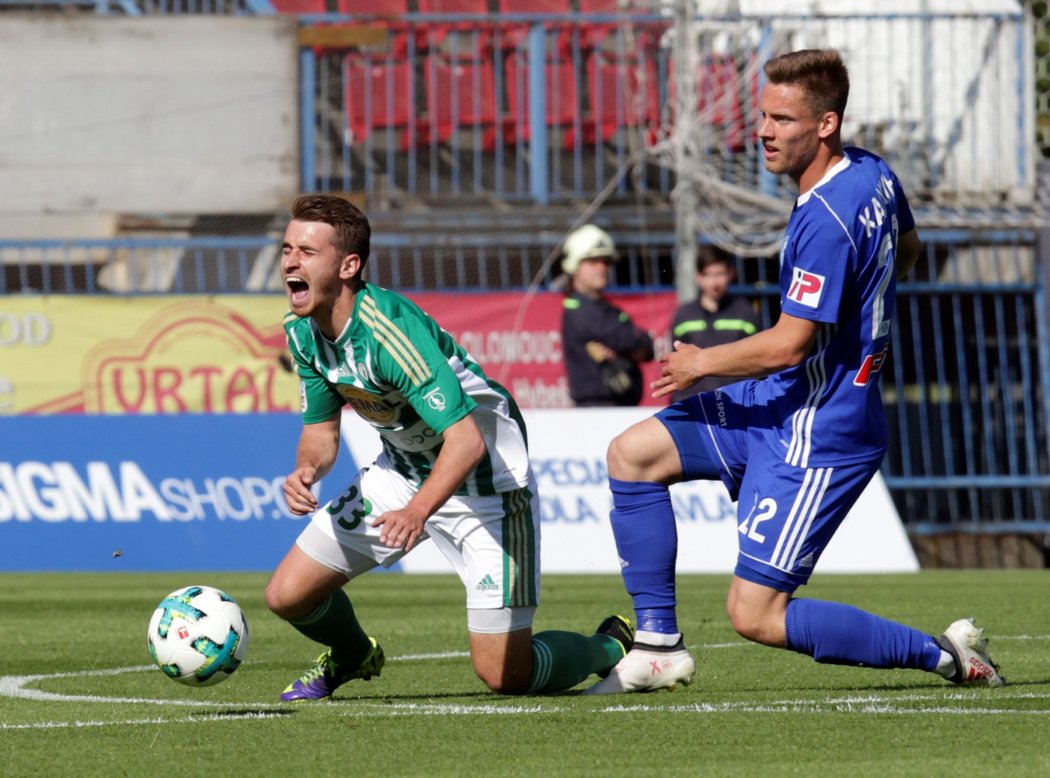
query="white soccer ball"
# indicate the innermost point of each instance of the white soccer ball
(198, 636)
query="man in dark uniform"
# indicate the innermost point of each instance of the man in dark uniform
(715, 316)
(602, 346)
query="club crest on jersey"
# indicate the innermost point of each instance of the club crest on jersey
(806, 288)
(435, 399)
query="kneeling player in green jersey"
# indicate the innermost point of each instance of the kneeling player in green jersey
(454, 468)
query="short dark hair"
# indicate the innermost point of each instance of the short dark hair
(820, 73)
(353, 233)
(708, 255)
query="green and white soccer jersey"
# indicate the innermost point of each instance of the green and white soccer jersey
(410, 380)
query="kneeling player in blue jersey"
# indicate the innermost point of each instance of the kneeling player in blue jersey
(797, 443)
(454, 469)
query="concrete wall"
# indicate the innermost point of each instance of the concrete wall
(158, 115)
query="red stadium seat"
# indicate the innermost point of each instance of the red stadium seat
(718, 98)
(458, 37)
(623, 93)
(453, 6)
(300, 6)
(461, 97)
(514, 34)
(379, 95)
(392, 8)
(534, 6)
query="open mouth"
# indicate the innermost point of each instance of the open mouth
(298, 289)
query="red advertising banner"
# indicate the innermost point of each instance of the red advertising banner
(517, 337)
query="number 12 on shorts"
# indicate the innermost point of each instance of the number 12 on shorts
(763, 510)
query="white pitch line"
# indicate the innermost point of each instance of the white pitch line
(15, 686)
(129, 722)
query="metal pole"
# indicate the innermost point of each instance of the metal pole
(686, 201)
(307, 116)
(537, 54)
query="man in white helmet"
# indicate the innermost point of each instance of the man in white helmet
(602, 346)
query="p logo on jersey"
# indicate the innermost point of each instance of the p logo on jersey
(806, 288)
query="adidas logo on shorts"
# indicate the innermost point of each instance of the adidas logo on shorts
(486, 584)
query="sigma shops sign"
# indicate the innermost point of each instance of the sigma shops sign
(187, 492)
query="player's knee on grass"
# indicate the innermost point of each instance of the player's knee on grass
(504, 679)
(503, 661)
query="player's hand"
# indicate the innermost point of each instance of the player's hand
(678, 369)
(297, 494)
(401, 528)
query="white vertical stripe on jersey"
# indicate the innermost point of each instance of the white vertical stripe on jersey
(802, 419)
(328, 353)
(807, 504)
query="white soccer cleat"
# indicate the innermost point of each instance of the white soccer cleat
(965, 641)
(648, 669)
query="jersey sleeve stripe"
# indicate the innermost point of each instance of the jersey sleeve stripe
(835, 216)
(396, 342)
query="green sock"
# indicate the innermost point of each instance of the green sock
(333, 623)
(560, 660)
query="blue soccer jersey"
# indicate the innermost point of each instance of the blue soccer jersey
(837, 268)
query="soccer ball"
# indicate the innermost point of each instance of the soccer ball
(198, 636)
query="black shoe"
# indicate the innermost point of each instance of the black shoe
(620, 629)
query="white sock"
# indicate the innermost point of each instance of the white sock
(657, 638)
(945, 665)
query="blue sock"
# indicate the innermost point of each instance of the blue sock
(834, 633)
(647, 542)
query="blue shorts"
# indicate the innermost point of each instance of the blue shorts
(786, 515)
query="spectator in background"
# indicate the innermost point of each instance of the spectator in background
(603, 348)
(715, 316)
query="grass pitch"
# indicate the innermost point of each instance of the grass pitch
(78, 697)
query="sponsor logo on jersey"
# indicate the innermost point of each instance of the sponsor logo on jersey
(435, 399)
(871, 365)
(806, 288)
(373, 408)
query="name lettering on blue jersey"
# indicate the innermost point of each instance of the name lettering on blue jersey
(873, 216)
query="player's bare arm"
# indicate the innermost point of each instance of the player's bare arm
(782, 346)
(317, 452)
(462, 450)
(909, 249)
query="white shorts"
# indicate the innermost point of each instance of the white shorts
(492, 542)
